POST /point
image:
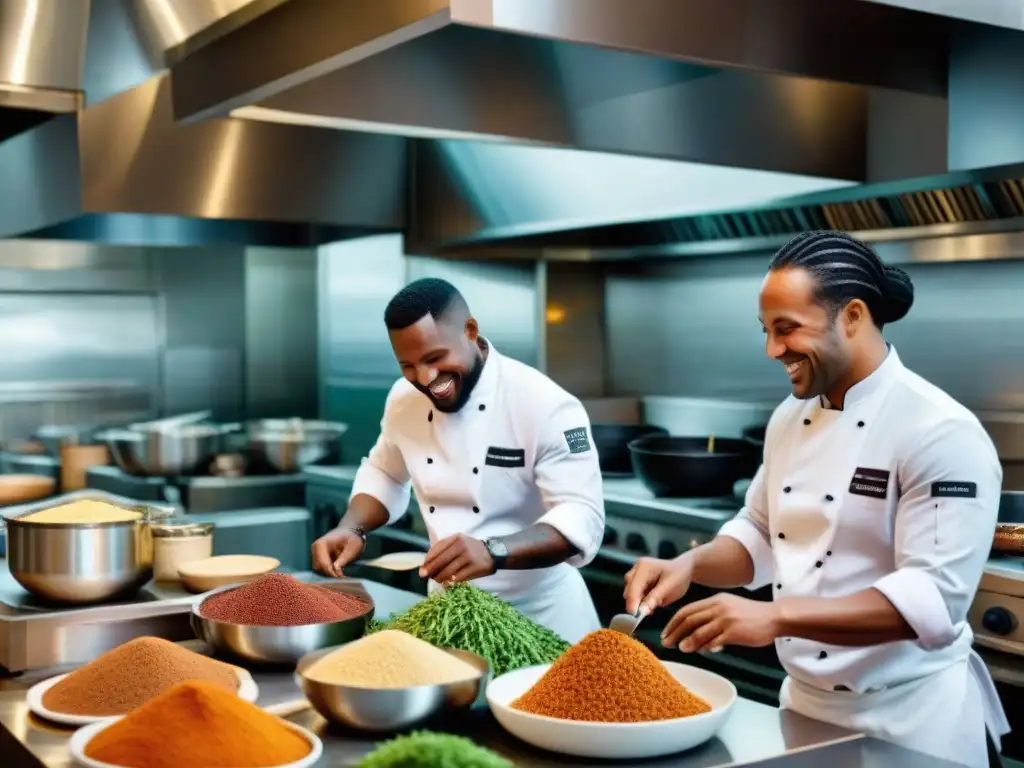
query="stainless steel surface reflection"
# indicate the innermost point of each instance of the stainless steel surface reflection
(282, 645)
(81, 563)
(388, 710)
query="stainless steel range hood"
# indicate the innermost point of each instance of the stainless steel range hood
(123, 171)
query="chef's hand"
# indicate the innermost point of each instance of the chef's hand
(722, 620)
(457, 558)
(655, 583)
(336, 549)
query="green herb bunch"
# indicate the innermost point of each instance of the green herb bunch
(424, 749)
(467, 618)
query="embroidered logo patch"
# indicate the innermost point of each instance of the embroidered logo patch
(505, 457)
(870, 482)
(952, 490)
(577, 440)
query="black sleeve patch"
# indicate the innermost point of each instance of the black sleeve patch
(577, 440)
(951, 490)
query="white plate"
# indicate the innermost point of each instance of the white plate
(622, 741)
(81, 738)
(247, 689)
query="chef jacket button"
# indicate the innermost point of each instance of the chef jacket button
(823, 655)
(778, 586)
(476, 470)
(807, 422)
(430, 416)
(829, 553)
(782, 535)
(819, 564)
(860, 423)
(829, 497)
(476, 509)
(483, 407)
(787, 489)
(430, 460)
(431, 510)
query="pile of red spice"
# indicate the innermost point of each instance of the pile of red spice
(279, 600)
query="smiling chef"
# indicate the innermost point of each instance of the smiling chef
(871, 517)
(500, 459)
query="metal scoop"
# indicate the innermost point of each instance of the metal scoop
(396, 561)
(627, 623)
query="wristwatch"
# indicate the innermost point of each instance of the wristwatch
(498, 551)
(359, 531)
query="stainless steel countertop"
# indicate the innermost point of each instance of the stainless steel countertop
(755, 734)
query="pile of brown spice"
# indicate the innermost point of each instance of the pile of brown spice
(609, 677)
(279, 600)
(130, 675)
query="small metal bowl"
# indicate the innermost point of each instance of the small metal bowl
(281, 645)
(386, 710)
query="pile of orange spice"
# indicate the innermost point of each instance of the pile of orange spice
(197, 725)
(609, 677)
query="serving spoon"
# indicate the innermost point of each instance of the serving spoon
(626, 623)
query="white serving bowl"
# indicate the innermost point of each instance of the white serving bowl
(247, 690)
(82, 737)
(616, 741)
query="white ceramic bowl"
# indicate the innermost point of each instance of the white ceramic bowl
(197, 576)
(620, 741)
(247, 689)
(83, 736)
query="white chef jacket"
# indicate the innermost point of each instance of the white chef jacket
(518, 453)
(898, 491)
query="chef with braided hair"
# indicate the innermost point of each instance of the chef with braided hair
(871, 518)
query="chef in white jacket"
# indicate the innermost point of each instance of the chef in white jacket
(871, 517)
(500, 459)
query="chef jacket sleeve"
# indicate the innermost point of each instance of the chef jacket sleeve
(945, 520)
(750, 528)
(383, 474)
(568, 477)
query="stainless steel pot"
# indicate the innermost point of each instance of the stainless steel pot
(288, 445)
(168, 452)
(81, 563)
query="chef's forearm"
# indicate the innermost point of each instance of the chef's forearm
(863, 618)
(722, 563)
(539, 546)
(365, 513)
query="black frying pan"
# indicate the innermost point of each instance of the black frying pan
(684, 466)
(612, 444)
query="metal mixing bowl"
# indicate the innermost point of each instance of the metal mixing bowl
(168, 452)
(387, 710)
(281, 645)
(290, 444)
(81, 563)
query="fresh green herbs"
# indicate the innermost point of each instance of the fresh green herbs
(465, 617)
(424, 749)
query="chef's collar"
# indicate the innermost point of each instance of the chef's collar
(866, 387)
(483, 392)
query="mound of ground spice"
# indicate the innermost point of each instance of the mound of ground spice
(426, 749)
(197, 725)
(467, 618)
(609, 677)
(279, 600)
(131, 674)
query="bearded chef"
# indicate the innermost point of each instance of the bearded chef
(500, 459)
(871, 518)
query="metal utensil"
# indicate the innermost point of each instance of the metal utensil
(396, 561)
(81, 563)
(394, 709)
(626, 623)
(171, 421)
(282, 645)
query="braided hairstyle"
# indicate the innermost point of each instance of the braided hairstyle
(847, 269)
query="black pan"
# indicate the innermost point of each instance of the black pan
(683, 467)
(612, 444)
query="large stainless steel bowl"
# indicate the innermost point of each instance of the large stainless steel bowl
(168, 452)
(281, 645)
(387, 710)
(81, 563)
(290, 444)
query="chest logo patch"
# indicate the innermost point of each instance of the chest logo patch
(870, 482)
(577, 440)
(954, 490)
(505, 457)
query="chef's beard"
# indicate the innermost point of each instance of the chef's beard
(466, 383)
